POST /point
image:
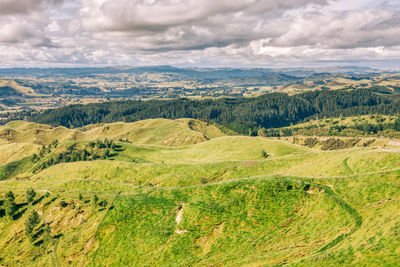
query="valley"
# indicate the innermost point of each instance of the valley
(26, 91)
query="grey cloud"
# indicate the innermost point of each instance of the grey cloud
(183, 24)
(197, 32)
(172, 25)
(19, 7)
(24, 21)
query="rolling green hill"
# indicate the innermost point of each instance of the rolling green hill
(155, 131)
(182, 192)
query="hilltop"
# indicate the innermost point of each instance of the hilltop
(183, 192)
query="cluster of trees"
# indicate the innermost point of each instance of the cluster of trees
(74, 152)
(9, 204)
(25, 114)
(244, 115)
(44, 151)
(11, 209)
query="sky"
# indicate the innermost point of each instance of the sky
(200, 33)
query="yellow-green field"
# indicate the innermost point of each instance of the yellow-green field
(183, 192)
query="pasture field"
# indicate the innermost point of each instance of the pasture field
(185, 192)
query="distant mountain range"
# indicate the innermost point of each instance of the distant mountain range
(203, 73)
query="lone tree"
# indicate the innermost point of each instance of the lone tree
(95, 199)
(30, 195)
(9, 204)
(31, 222)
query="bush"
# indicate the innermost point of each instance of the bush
(264, 154)
(103, 203)
(63, 203)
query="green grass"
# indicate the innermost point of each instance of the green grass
(14, 168)
(231, 148)
(223, 223)
(297, 206)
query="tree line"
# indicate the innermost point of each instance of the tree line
(244, 115)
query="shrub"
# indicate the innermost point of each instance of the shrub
(103, 203)
(264, 154)
(63, 203)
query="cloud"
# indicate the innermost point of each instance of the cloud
(183, 24)
(173, 25)
(20, 7)
(345, 29)
(24, 21)
(192, 32)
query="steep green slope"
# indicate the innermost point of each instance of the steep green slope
(229, 224)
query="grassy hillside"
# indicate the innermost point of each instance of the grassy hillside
(176, 193)
(248, 221)
(156, 131)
